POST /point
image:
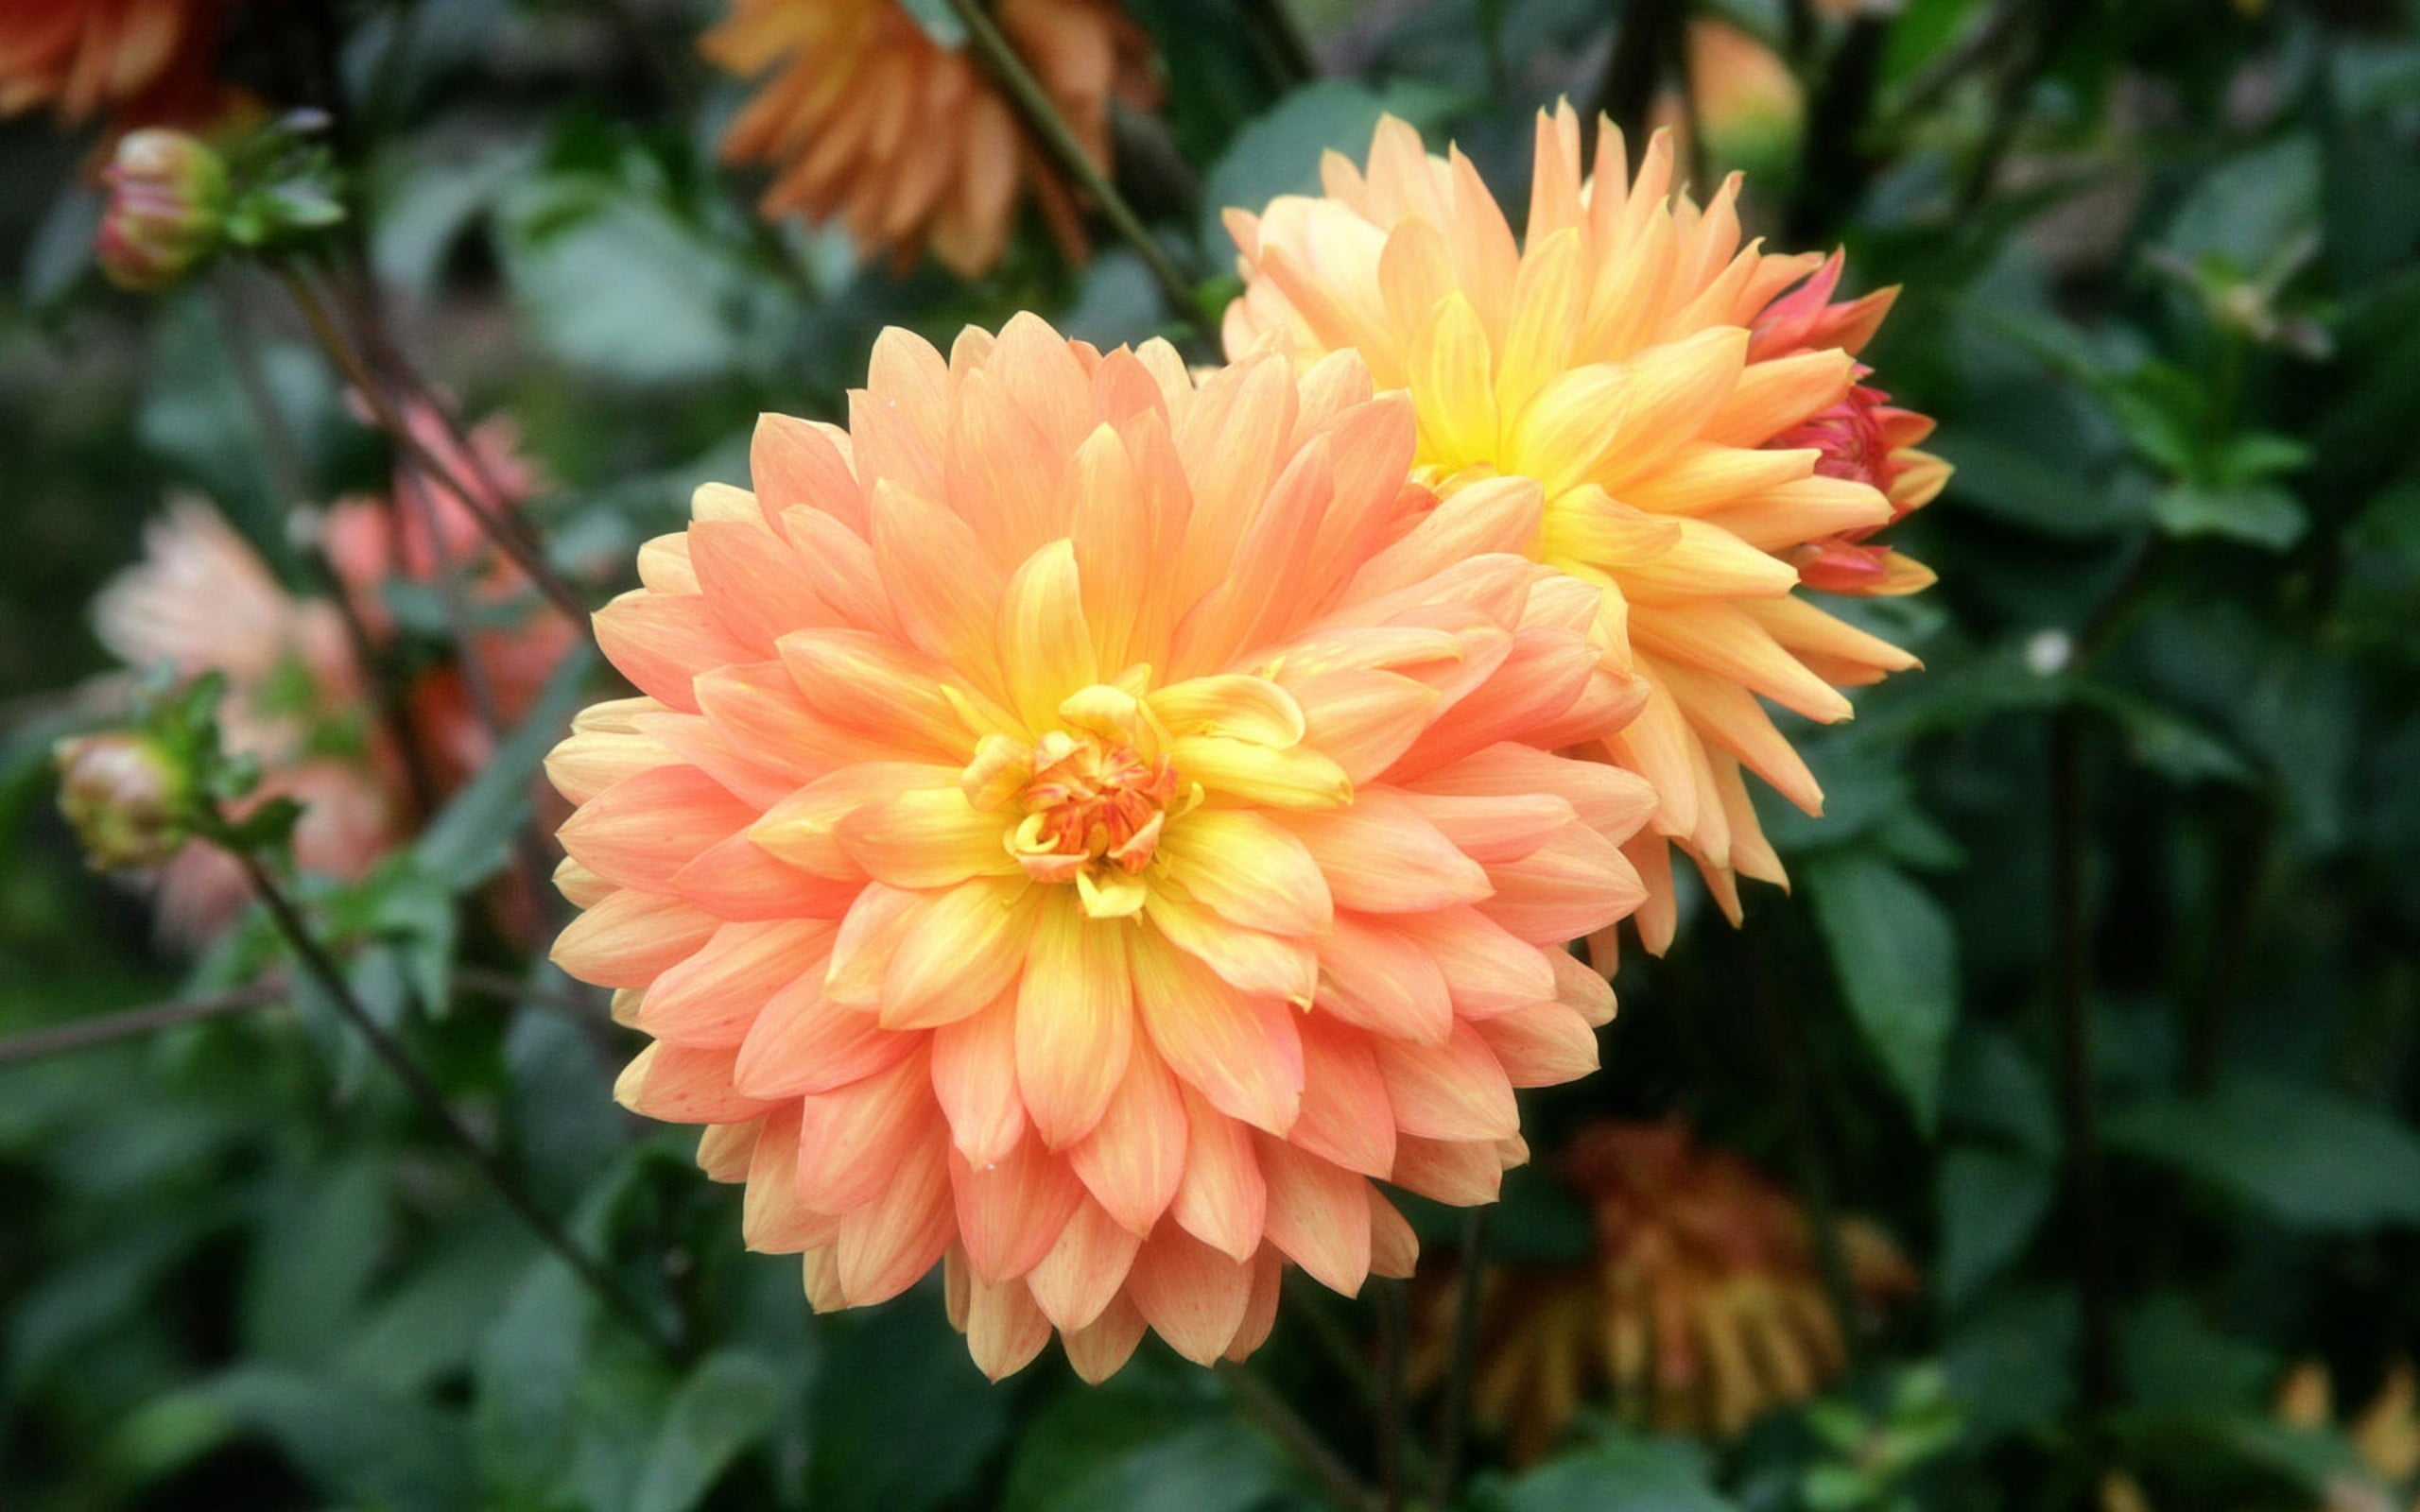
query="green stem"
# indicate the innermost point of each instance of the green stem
(389, 1050)
(1453, 1416)
(109, 1028)
(1041, 116)
(1302, 1441)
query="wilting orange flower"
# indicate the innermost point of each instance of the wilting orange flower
(1703, 1306)
(148, 61)
(298, 701)
(866, 118)
(1680, 408)
(1087, 825)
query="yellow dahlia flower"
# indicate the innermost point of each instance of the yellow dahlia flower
(1085, 825)
(865, 118)
(1691, 422)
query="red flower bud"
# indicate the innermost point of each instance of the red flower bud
(167, 210)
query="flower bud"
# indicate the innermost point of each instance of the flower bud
(125, 795)
(167, 208)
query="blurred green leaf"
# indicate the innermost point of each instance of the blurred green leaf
(355, 1442)
(1131, 1448)
(1896, 961)
(1991, 1203)
(1279, 154)
(470, 837)
(2256, 514)
(1626, 1474)
(2303, 1155)
(903, 1419)
(725, 1405)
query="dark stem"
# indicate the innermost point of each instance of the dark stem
(1833, 160)
(2078, 1103)
(390, 1051)
(2022, 71)
(1793, 1070)
(1393, 1393)
(1651, 34)
(1041, 116)
(1278, 40)
(1301, 1440)
(2240, 915)
(1453, 1414)
(513, 542)
(108, 1028)
(1309, 1302)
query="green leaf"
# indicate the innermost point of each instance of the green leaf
(1279, 154)
(2304, 1156)
(725, 1405)
(354, 1442)
(2166, 741)
(526, 1378)
(2174, 1361)
(1993, 1089)
(2010, 1364)
(471, 839)
(1991, 1203)
(1896, 960)
(1624, 1475)
(2256, 514)
(1129, 1448)
(903, 1419)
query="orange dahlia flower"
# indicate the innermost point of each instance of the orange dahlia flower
(867, 119)
(1703, 1306)
(1085, 824)
(147, 60)
(1695, 427)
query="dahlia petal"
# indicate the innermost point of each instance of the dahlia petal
(1045, 643)
(738, 879)
(1269, 578)
(1575, 883)
(603, 748)
(1191, 1294)
(580, 887)
(726, 1150)
(1086, 1269)
(1380, 979)
(884, 1246)
(1453, 383)
(1731, 719)
(1544, 318)
(755, 583)
(1543, 1045)
(803, 1042)
(629, 939)
(794, 462)
(1260, 1309)
(1771, 397)
(1608, 799)
(757, 708)
(1490, 830)
(1249, 869)
(1011, 1213)
(879, 688)
(1498, 515)
(1237, 707)
(1582, 988)
(925, 839)
(1240, 1053)
(1247, 960)
(1101, 1346)
(1460, 1173)
(1004, 1329)
(1245, 771)
(1455, 1091)
(851, 1138)
(696, 741)
(643, 830)
(1134, 1158)
(941, 581)
(1675, 389)
(955, 950)
(773, 1220)
(1319, 1214)
(1222, 1199)
(1363, 720)
(678, 1085)
(1382, 856)
(1075, 1026)
(1346, 1116)
(1488, 969)
(998, 480)
(709, 999)
(1395, 1250)
(978, 1099)
(1227, 441)
(663, 640)
(802, 830)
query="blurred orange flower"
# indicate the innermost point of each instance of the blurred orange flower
(149, 61)
(865, 118)
(1703, 1307)
(1086, 824)
(1674, 401)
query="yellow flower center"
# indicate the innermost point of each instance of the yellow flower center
(1089, 799)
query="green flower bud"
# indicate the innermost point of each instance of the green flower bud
(127, 796)
(167, 208)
